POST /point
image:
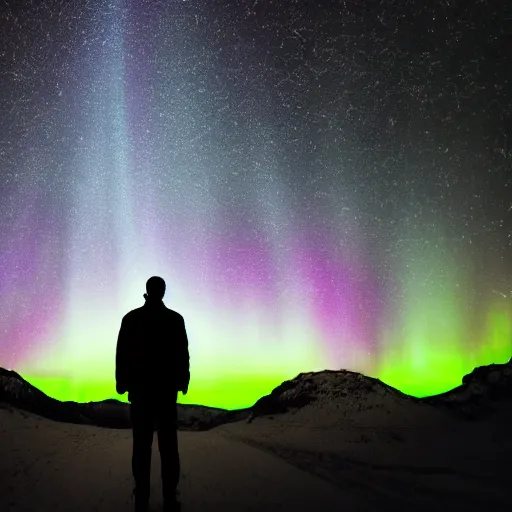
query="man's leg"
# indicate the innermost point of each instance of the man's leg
(143, 428)
(168, 447)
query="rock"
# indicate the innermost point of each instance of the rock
(482, 392)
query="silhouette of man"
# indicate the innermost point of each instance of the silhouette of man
(152, 364)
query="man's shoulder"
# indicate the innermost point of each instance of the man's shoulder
(173, 314)
(134, 313)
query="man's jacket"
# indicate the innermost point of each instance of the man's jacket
(152, 351)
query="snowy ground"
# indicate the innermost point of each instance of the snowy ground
(266, 465)
(452, 467)
(46, 465)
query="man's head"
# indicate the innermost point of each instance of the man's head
(155, 287)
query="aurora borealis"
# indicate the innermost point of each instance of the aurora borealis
(321, 184)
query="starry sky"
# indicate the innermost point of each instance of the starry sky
(322, 184)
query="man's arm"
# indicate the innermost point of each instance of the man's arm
(122, 358)
(183, 362)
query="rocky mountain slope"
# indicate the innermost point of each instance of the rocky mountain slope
(336, 398)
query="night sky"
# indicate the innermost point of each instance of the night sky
(322, 184)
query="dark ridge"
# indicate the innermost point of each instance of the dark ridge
(15, 391)
(486, 390)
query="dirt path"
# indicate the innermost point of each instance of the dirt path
(46, 465)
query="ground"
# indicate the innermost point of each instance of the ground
(262, 466)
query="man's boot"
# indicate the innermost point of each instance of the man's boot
(141, 500)
(171, 502)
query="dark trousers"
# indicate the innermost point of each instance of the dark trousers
(150, 413)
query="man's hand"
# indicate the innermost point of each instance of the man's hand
(184, 390)
(120, 390)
